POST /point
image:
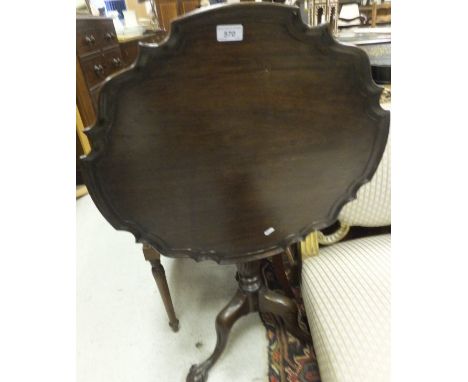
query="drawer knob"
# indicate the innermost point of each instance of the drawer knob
(117, 62)
(90, 39)
(110, 36)
(98, 69)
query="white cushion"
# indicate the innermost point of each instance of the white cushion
(349, 11)
(372, 206)
(346, 292)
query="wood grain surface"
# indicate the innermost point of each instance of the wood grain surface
(232, 151)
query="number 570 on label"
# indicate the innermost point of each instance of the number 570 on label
(234, 32)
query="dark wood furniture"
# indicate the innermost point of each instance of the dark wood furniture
(129, 47)
(154, 257)
(97, 56)
(98, 53)
(234, 150)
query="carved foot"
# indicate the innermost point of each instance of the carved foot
(198, 373)
(238, 307)
(272, 302)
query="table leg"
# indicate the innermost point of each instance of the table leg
(237, 308)
(252, 296)
(159, 275)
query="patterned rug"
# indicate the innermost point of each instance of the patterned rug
(289, 360)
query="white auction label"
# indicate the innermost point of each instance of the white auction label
(234, 32)
(269, 231)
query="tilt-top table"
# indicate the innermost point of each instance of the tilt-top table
(236, 137)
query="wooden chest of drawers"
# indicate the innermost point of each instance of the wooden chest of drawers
(98, 51)
(98, 55)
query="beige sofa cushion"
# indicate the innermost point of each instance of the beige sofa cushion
(346, 291)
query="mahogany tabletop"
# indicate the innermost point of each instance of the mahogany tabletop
(232, 146)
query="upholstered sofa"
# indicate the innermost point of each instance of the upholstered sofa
(346, 291)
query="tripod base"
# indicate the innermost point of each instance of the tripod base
(252, 296)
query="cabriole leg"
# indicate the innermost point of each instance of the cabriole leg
(245, 301)
(237, 308)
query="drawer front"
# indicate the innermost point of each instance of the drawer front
(95, 69)
(107, 34)
(88, 40)
(93, 34)
(113, 61)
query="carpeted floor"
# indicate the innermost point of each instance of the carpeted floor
(289, 359)
(122, 329)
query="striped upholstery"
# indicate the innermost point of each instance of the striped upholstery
(371, 208)
(346, 291)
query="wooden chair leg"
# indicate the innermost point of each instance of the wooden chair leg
(159, 275)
